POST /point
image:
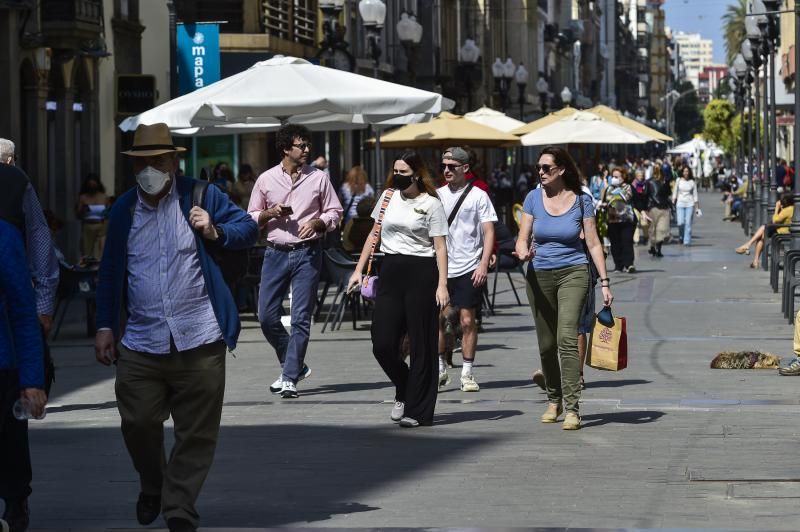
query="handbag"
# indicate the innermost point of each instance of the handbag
(369, 286)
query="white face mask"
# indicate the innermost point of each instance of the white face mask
(151, 180)
(616, 181)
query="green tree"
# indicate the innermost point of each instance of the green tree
(687, 116)
(733, 24)
(721, 126)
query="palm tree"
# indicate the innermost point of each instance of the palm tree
(733, 23)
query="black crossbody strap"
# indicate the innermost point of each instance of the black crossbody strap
(461, 199)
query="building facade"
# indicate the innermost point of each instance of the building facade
(696, 54)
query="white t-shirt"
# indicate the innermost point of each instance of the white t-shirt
(410, 224)
(465, 238)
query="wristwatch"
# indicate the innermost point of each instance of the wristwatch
(220, 234)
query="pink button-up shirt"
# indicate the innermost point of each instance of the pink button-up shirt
(311, 196)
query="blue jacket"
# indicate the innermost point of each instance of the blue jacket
(20, 337)
(240, 232)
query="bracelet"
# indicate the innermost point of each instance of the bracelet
(601, 279)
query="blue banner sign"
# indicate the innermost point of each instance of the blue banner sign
(198, 56)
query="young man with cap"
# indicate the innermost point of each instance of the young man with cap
(470, 242)
(181, 321)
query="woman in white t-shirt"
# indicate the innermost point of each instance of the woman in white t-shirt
(413, 281)
(686, 204)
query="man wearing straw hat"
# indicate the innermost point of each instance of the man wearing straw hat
(181, 318)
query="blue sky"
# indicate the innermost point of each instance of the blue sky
(699, 16)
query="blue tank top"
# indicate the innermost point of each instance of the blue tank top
(556, 239)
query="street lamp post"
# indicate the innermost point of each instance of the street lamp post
(740, 70)
(521, 77)
(468, 56)
(333, 50)
(373, 15)
(795, 228)
(410, 33)
(754, 39)
(750, 60)
(503, 73)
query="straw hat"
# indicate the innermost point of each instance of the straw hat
(152, 140)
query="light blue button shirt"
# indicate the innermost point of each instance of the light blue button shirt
(166, 290)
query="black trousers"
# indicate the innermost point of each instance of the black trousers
(621, 237)
(15, 456)
(406, 303)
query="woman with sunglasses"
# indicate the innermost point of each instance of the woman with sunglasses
(557, 215)
(413, 282)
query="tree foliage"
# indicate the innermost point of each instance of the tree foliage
(722, 125)
(733, 25)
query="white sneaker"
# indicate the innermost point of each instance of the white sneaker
(397, 411)
(277, 386)
(468, 383)
(289, 390)
(444, 379)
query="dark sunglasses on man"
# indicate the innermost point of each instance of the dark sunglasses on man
(450, 166)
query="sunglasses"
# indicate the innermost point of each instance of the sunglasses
(545, 168)
(303, 146)
(450, 166)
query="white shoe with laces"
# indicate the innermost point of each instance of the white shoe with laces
(397, 411)
(469, 384)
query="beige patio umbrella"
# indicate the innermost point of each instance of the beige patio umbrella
(489, 117)
(582, 127)
(555, 116)
(445, 130)
(618, 118)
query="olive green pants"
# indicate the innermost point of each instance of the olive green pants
(189, 386)
(556, 298)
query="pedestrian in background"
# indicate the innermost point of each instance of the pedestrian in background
(91, 211)
(21, 374)
(621, 220)
(413, 282)
(241, 190)
(181, 319)
(354, 189)
(470, 243)
(687, 203)
(297, 205)
(556, 215)
(658, 209)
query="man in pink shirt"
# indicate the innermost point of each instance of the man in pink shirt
(297, 205)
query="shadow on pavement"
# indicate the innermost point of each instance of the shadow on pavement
(621, 418)
(507, 384)
(263, 475)
(615, 384)
(451, 418)
(346, 387)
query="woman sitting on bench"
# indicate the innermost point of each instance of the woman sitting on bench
(784, 210)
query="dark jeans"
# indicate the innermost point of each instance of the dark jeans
(621, 237)
(15, 456)
(300, 270)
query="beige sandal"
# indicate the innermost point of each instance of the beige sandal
(741, 250)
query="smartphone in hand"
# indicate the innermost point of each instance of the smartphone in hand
(286, 210)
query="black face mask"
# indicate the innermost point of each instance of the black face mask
(402, 182)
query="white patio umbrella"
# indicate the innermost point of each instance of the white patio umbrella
(696, 144)
(582, 127)
(489, 117)
(292, 90)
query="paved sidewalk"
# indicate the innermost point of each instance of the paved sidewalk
(667, 443)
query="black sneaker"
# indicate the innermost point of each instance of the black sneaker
(147, 508)
(792, 370)
(176, 524)
(17, 514)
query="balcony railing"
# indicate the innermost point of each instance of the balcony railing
(79, 19)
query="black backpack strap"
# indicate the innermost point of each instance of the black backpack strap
(199, 193)
(461, 199)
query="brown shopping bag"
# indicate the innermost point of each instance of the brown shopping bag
(608, 348)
